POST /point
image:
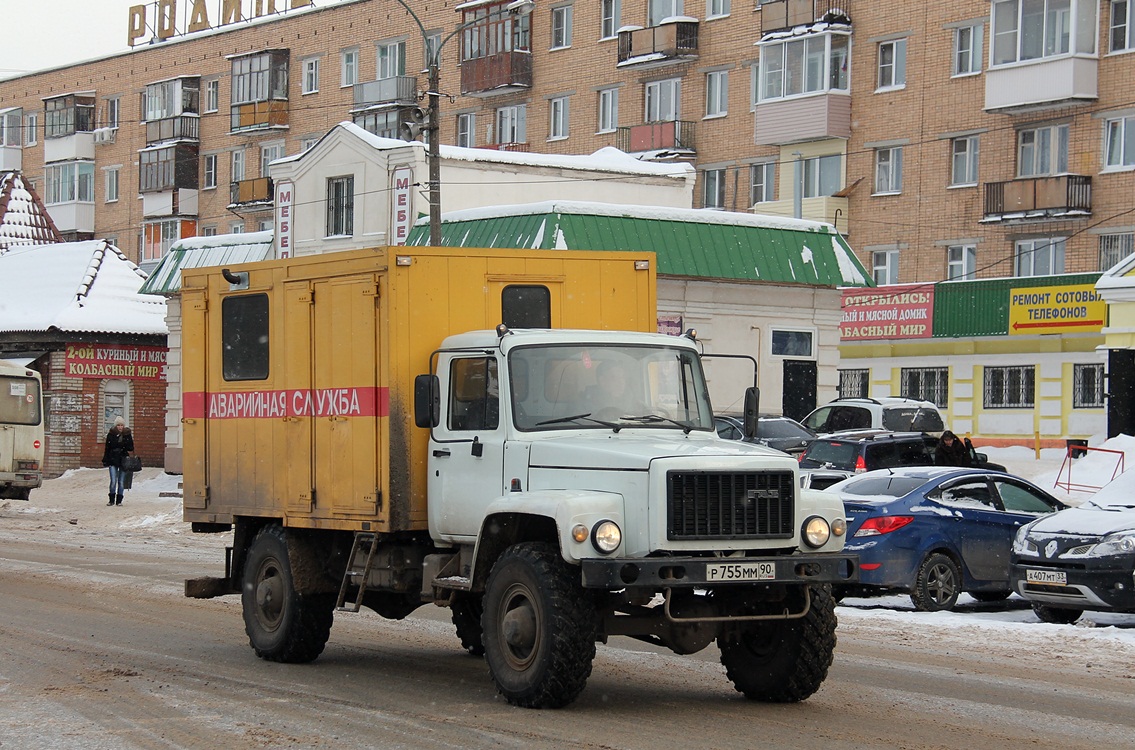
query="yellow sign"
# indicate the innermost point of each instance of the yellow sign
(1056, 309)
(163, 24)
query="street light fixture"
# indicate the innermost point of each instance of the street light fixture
(517, 8)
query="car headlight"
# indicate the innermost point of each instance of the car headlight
(816, 531)
(606, 536)
(1021, 543)
(1121, 543)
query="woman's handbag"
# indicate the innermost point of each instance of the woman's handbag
(131, 463)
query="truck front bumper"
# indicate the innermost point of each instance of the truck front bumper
(613, 574)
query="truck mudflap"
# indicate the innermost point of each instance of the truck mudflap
(613, 574)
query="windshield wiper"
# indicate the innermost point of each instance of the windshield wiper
(687, 427)
(576, 418)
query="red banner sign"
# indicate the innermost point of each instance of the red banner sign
(887, 312)
(109, 361)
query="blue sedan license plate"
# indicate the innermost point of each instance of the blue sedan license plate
(760, 571)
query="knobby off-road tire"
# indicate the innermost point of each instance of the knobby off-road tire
(782, 661)
(466, 610)
(1056, 615)
(937, 584)
(281, 625)
(539, 627)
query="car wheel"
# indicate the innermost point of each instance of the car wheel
(937, 585)
(991, 596)
(1056, 615)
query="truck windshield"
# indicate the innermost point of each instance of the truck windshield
(587, 386)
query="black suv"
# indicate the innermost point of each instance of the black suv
(833, 458)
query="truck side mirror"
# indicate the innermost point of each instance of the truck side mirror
(427, 401)
(752, 411)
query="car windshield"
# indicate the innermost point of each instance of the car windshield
(912, 419)
(782, 428)
(835, 453)
(889, 486)
(575, 386)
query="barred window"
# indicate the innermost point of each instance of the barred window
(1114, 248)
(853, 383)
(1087, 386)
(926, 384)
(1010, 387)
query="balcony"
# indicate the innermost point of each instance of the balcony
(803, 118)
(674, 135)
(1041, 84)
(251, 194)
(80, 145)
(73, 217)
(254, 115)
(399, 91)
(182, 127)
(1038, 198)
(828, 208)
(516, 146)
(778, 15)
(11, 158)
(670, 42)
(496, 74)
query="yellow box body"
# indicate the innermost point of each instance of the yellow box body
(322, 435)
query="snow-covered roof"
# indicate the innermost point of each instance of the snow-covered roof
(81, 287)
(198, 252)
(23, 218)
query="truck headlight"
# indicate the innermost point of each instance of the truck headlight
(816, 531)
(606, 536)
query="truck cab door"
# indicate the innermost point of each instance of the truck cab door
(467, 447)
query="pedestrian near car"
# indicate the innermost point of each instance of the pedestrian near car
(951, 451)
(119, 445)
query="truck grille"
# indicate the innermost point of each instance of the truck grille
(711, 505)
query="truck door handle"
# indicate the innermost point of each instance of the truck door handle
(441, 453)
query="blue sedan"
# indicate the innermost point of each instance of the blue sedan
(934, 532)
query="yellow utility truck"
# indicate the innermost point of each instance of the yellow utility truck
(497, 432)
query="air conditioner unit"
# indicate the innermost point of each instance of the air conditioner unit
(105, 135)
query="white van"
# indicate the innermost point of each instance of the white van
(21, 431)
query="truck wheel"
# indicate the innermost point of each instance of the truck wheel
(466, 612)
(539, 627)
(1056, 615)
(937, 585)
(281, 625)
(782, 661)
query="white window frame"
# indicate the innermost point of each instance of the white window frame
(888, 170)
(209, 172)
(12, 128)
(237, 227)
(608, 110)
(1119, 34)
(818, 170)
(512, 124)
(390, 60)
(270, 152)
(1061, 31)
(610, 12)
(967, 50)
(467, 129)
(113, 112)
(716, 93)
(1119, 144)
(717, 9)
(111, 184)
(659, 10)
(561, 26)
(31, 128)
(237, 166)
(891, 65)
(209, 230)
(559, 125)
(885, 267)
(171, 233)
(348, 67)
(713, 188)
(310, 83)
(308, 143)
(804, 66)
(69, 182)
(1115, 247)
(1040, 256)
(1042, 151)
(762, 182)
(212, 95)
(964, 156)
(663, 100)
(961, 262)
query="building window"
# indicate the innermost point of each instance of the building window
(31, 129)
(1009, 387)
(888, 170)
(432, 48)
(717, 93)
(961, 262)
(209, 180)
(967, 50)
(256, 79)
(1042, 151)
(111, 184)
(1087, 386)
(853, 383)
(659, 10)
(608, 110)
(348, 67)
(1120, 33)
(926, 384)
(212, 96)
(512, 125)
(159, 238)
(822, 176)
(561, 26)
(113, 111)
(238, 166)
(67, 115)
(717, 8)
(167, 168)
(11, 123)
(391, 60)
(341, 206)
(269, 153)
(1040, 257)
(1120, 146)
(762, 181)
(663, 99)
(209, 231)
(892, 64)
(170, 99)
(713, 188)
(310, 83)
(609, 13)
(383, 123)
(70, 182)
(810, 65)
(791, 343)
(237, 227)
(1114, 248)
(488, 32)
(885, 267)
(963, 161)
(1035, 29)
(307, 143)
(558, 117)
(467, 130)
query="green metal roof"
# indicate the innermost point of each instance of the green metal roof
(981, 307)
(688, 243)
(198, 252)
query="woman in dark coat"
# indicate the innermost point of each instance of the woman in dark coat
(119, 444)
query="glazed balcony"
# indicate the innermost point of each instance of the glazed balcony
(496, 74)
(398, 91)
(181, 127)
(803, 118)
(252, 194)
(669, 42)
(1038, 198)
(255, 115)
(653, 136)
(1041, 84)
(778, 15)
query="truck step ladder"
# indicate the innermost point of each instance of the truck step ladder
(369, 542)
